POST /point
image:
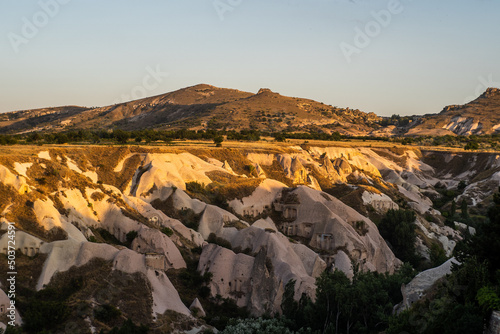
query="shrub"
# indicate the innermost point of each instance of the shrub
(106, 313)
(213, 239)
(168, 231)
(398, 228)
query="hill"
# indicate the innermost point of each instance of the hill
(199, 107)
(481, 116)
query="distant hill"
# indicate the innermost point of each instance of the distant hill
(204, 107)
(199, 107)
(481, 116)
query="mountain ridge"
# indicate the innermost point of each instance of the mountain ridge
(206, 107)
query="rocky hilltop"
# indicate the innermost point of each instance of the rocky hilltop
(199, 107)
(481, 116)
(140, 223)
(205, 107)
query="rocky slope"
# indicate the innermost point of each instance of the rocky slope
(249, 220)
(208, 107)
(481, 116)
(198, 107)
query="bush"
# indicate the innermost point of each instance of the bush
(218, 141)
(257, 326)
(213, 239)
(195, 187)
(106, 313)
(168, 231)
(130, 328)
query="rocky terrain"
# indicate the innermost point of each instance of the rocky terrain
(205, 107)
(481, 116)
(239, 223)
(198, 107)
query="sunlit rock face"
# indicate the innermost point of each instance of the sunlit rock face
(332, 226)
(282, 228)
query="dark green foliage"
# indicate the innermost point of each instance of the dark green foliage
(153, 136)
(488, 298)
(8, 140)
(218, 141)
(453, 209)
(12, 330)
(437, 255)
(472, 145)
(106, 312)
(129, 328)
(289, 306)
(213, 239)
(121, 136)
(207, 194)
(398, 228)
(108, 237)
(464, 209)
(221, 310)
(463, 301)
(360, 305)
(485, 244)
(189, 218)
(279, 137)
(168, 231)
(195, 187)
(48, 308)
(260, 326)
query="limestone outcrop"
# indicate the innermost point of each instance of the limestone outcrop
(416, 289)
(330, 225)
(16, 181)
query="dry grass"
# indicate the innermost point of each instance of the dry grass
(276, 172)
(232, 187)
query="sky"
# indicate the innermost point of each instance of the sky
(385, 56)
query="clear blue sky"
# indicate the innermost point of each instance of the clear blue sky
(429, 54)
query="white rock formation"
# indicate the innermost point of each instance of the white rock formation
(9, 179)
(48, 217)
(416, 289)
(62, 255)
(166, 170)
(380, 202)
(260, 200)
(259, 283)
(44, 155)
(197, 305)
(328, 224)
(25, 243)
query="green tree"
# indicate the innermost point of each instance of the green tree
(218, 141)
(121, 136)
(453, 209)
(472, 145)
(464, 209)
(398, 228)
